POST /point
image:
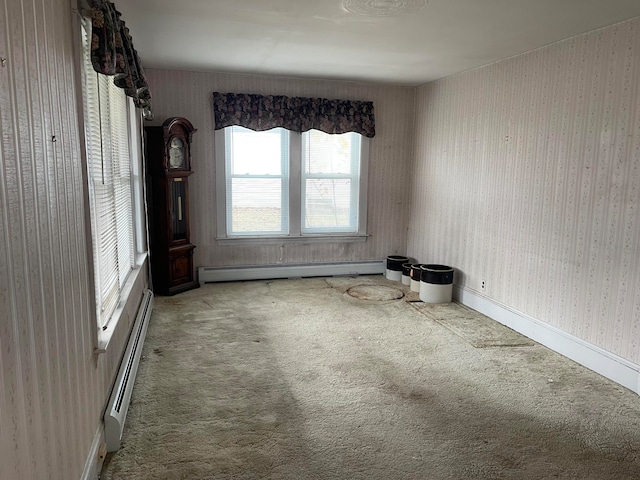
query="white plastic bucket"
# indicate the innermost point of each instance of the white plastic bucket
(394, 275)
(415, 274)
(394, 267)
(432, 293)
(436, 284)
(406, 274)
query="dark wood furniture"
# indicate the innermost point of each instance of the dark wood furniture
(168, 155)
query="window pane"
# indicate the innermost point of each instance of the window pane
(109, 172)
(121, 167)
(257, 181)
(330, 154)
(256, 206)
(254, 195)
(328, 204)
(330, 182)
(256, 153)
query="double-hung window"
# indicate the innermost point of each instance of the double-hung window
(330, 182)
(278, 183)
(112, 174)
(257, 181)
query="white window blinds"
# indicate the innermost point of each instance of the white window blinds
(330, 182)
(110, 187)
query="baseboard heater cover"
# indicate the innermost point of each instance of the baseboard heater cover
(118, 405)
(267, 272)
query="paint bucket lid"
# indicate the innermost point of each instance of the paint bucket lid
(416, 271)
(436, 274)
(394, 262)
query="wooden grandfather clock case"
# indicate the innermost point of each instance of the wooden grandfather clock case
(168, 155)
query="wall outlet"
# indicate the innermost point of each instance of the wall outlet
(484, 285)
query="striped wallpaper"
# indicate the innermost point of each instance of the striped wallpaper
(524, 175)
(189, 95)
(527, 178)
(53, 389)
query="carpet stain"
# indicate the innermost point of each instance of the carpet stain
(374, 293)
(250, 381)
(476, 329)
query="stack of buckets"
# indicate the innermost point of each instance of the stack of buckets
(433, 282)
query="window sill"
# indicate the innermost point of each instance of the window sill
(302, 239)
(105, 334)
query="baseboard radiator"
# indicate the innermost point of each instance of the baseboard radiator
(118, 405)
(266, 272)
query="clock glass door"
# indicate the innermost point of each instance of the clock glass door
(178, 210)
(176, 153)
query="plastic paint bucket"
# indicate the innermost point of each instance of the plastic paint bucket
(406, 274)
(436, 283)
(415, 273)
(394, 267)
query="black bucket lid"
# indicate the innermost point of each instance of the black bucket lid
(416, 271)
(394, 262)
(436, 268)
(397, 258)
(436, 274)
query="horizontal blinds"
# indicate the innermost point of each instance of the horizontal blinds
(109, 169)
(107, 251)
(330, 182)
(122, 186)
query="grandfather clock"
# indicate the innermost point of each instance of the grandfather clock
(168, 150)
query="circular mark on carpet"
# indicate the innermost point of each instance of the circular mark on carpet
(375, 293)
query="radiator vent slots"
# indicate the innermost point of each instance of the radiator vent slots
(118, 405)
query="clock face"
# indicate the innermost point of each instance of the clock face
(177, 153)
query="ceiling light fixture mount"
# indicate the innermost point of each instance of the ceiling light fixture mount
(384, 8)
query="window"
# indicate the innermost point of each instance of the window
(330, 182)
(111, 179)
(257, 179)
(278, 183)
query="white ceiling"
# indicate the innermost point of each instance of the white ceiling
(322, 39)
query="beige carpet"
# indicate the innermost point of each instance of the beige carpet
(297, 379)
(478, 330)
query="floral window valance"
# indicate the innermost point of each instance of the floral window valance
(112, 53)
(298, 114)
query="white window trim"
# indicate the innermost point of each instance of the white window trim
(102, 336)
(295, 207)
(105, 334)
(285, 174)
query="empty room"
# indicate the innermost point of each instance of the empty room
(331, 239)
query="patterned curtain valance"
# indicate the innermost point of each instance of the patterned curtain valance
(112, 53)
(298, 114)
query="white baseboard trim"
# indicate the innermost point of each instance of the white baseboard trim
(605, 363)
(266, 272)
(93, 462)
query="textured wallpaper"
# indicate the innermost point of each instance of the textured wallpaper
(524, 175)
(189, 95)
(52, 388)
(527, 178)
